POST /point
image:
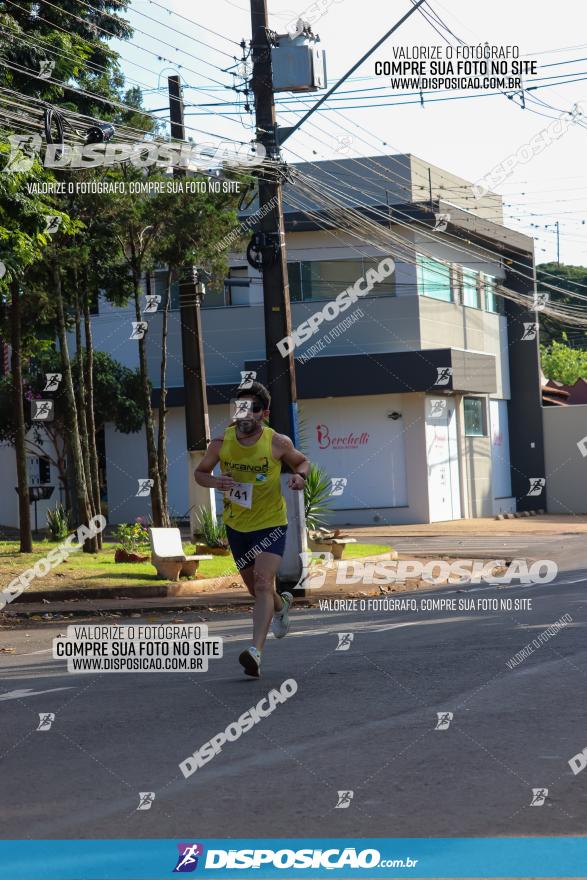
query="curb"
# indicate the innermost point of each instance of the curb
(170, 590)
(215, 602)
(156, 598)
(164, 590)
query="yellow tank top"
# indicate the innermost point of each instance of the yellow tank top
(258, 503)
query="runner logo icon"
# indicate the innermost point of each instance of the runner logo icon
(539, 796)
(187, 860)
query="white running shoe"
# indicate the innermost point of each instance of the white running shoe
(281, 622)
(250, 660)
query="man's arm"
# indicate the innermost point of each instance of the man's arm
(300, 465)
(203, 472)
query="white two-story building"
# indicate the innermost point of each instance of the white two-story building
(424, 395)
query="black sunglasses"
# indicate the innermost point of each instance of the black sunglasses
(255, 407)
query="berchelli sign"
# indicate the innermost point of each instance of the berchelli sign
(326, 440)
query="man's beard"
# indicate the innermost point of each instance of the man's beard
(247, 426)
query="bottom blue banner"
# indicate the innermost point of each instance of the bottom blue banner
(285, 858)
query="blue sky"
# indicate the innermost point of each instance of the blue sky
(468, 136)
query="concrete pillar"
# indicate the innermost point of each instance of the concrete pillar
(198, 496)
(296, 543)
(525, 405)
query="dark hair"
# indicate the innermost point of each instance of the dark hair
(256, 390)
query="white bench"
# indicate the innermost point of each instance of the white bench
(168, 556)
(322, 540)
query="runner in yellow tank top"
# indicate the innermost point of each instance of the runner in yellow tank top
(250, 456)
(256, 501)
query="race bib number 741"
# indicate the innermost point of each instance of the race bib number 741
(241, 493)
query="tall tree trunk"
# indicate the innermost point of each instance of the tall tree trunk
(159, 515)
(162, 462)
(81, 491)
(24, 508)
(58, 442)
(90, 418)
(76, 516)
(62, 470)
(81, 397)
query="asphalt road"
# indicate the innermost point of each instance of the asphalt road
(568, 550)
(362, 720)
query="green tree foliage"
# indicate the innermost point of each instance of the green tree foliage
(192, 225)
(116, 392)
(573, 279)
(562, 363)
(59, 53)
(73, 37)
(23, 243)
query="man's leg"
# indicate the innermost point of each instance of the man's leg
(266, 599)
(248, 576)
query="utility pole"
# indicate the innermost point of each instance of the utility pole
(194, 373)
(558, 239)
(281, 378)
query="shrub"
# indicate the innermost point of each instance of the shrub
(213, 530)
(132, 536)
(58, 522)
(317, 497)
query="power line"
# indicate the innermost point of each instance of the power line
(411, 221)
(350, 218)
(159, 22)
(386, 35)
(90, 66)
(191, 21)
(137, 46)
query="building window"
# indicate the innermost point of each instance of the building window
(218, 294)
(294, 278)
(44, 471)
(470, 289)
(434, 279)
(39, 470)
(213, 298)
(325, 279)
(493, 302)
(475, 418)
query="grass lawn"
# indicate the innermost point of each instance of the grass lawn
(83, 570)
(356, 551)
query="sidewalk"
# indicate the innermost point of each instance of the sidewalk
(218, 595)
(212, 594)
(220, 601)
(554, 524)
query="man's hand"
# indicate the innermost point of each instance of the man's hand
(225, 483)
(296, 482)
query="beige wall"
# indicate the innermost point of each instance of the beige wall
(566, 467)
(477, 465)
(475, 470)
(451, 188)
(354, 508)
(448, 325)
(414, 421)
(444, 324)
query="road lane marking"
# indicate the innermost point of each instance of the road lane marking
(28, 692)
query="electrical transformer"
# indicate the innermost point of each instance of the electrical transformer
(299, 65)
